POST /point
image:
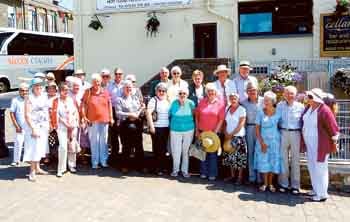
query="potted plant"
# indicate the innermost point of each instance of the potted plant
(152, 25)
(341, 7)
(280, 77)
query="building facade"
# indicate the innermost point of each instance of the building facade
(35, 15)
(257, 30)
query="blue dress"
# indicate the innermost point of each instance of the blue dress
(271, 161)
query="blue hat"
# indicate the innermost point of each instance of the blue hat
(36, 81)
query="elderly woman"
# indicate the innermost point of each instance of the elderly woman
(181, 131)
(135, 90)
(210, 115)
(320, 133)
(197, 89)
(268, 157)
(158, 106)
(235, 118)
(36, 114)
(176, 83)
(106, 78)
(51, 89)
(128, 111)
(252, 105)
(65, 111)
(96, 111)
(224, 85)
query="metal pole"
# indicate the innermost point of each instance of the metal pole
(4, 151)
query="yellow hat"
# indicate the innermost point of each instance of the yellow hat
(210, 141)
(228, 147)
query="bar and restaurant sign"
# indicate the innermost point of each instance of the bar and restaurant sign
(137, 5)
(335, 36)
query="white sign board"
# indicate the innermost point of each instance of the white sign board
(116, 5)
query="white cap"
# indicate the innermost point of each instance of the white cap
(105, 72)
(39, 75)
(317, 94)
(131, 77)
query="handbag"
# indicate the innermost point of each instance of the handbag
(154, 112)
(53, 143)
(197, 151)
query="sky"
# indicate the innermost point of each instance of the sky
(67, 3)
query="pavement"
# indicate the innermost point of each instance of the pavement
(105, 195)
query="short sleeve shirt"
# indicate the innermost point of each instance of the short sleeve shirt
(232, 120)
(181, 117)
(209, 114)
(97, 106)
(162, 111)
(17, 107)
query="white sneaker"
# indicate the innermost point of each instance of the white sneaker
(59, 174)
(174, 174)
(14, 164)
(203, 176)
(73, 170)
(186, 175)
(32, 177)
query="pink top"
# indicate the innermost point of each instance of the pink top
(97, 106)
(209, 114)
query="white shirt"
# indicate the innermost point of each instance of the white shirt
(290, 114)
(229, 87)
(241, 85)
(310, 132)
(173, 89)
(17, 107)
(162, 110)
(68, 111)
(199, 93)
(232, 120)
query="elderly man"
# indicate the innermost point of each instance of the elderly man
(115, 90)
(106, 77)
(291, 111)
(252, 104)
(164, 77)
(243, 78)
(81, 75)
(223, 84)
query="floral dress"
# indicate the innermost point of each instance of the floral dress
(271, 161)
(237, 159)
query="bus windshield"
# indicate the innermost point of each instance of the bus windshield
(3, 37)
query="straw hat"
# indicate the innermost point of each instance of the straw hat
(245, 64)
(222, 68)
(79, 72)
(229, 146)
(210, 141)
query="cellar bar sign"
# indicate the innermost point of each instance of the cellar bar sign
(335, 36)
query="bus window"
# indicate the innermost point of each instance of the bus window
(3, 37)
(32, 44)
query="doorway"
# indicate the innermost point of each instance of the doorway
(205, 40)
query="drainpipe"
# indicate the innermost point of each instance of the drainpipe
(212, 11)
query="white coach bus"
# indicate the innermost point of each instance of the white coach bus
(23, 53)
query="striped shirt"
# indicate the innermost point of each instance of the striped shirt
(162, 111)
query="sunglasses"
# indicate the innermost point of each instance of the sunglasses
(119, 74)
(105, 77)
(162, 91)
(182, 93)
(50, 79)
(23, 90)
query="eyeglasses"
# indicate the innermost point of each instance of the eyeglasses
(50, 79)
(23, 90)
(161, 91)
(133, 81)
(310, 97)
(176, 73)
(105, 77)
(182, 93)
(119, 74)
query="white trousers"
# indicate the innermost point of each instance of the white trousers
(318, 174)
(63, 154)
(17, 150)
(290, 149)
(180, 144)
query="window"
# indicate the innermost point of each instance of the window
(275, 17)
(255, 23)
(31, 18)
(11, 17)
(3, 37)
(32, 44)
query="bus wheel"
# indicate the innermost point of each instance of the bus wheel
(4, 86)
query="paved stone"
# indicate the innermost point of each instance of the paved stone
(107, 195)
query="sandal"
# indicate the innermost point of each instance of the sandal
(272, 188)
(262, 188)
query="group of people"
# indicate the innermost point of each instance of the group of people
(265, 136)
